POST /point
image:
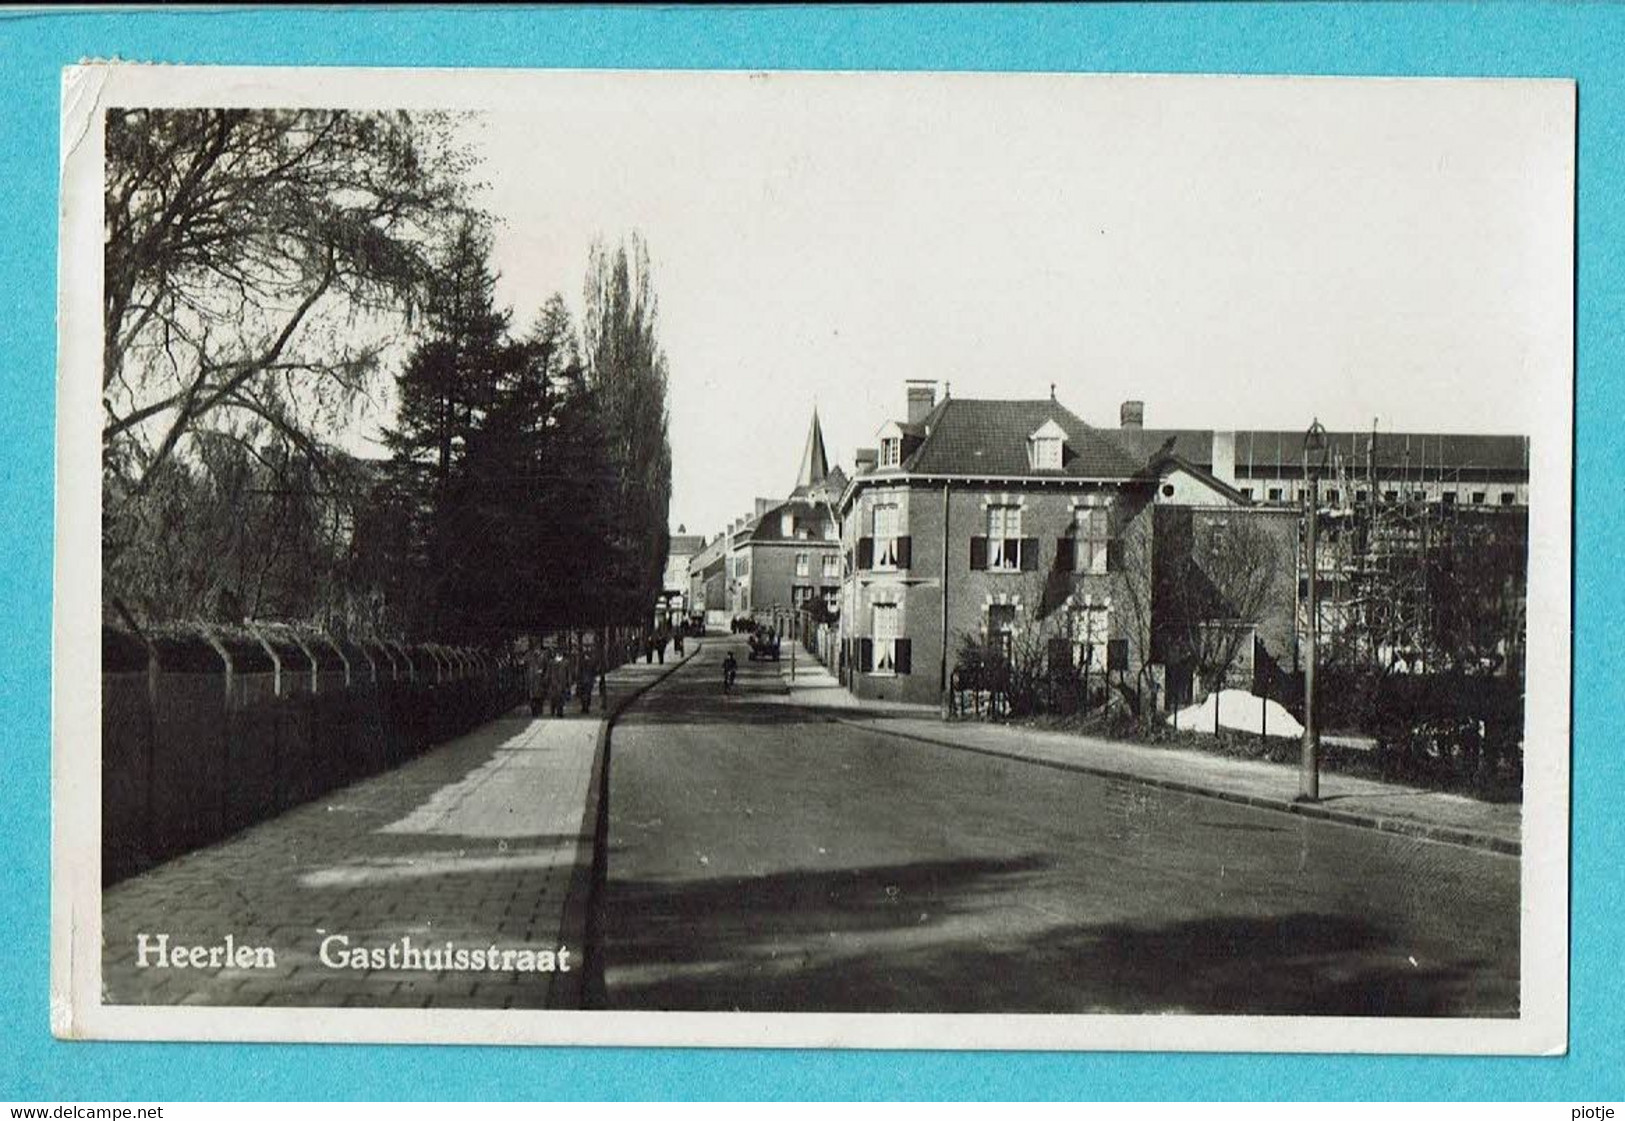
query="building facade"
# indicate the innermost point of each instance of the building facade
(675, 591)
(708, 582)
(786, 555)
(991, 521)
(1268, 467)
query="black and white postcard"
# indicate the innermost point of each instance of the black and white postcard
(814, 559)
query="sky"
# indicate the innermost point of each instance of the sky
(1237, 253)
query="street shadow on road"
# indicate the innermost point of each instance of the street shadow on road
(756, 707)
(950, 936)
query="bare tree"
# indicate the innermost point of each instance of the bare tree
(1215, 582)
(247, 252)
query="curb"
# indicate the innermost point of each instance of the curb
(1441, 833)
(583, 906)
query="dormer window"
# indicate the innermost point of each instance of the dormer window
(1046, 448)
(891, 445)
(787, 525)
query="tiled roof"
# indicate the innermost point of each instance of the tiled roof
(814, 517)
(1268, 449)
(989, 438)
(1159, 464)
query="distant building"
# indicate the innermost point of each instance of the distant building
(708, 581)
(787, 553)
(1268, 466)
(674, 585)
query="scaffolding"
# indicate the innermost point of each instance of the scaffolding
(1382, 528)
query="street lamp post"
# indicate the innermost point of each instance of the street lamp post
(1314, 459)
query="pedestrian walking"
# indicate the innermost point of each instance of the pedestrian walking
(558, 684)
(584, 684)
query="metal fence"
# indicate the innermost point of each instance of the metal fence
(206, 732)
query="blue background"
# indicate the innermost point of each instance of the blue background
(1547, 40)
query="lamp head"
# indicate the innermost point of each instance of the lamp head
(1315, 447)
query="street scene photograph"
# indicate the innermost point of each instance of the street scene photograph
(773, 544)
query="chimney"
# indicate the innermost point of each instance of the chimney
(763, 505)
(864, 460)
(922, 398)
(1133, 414)
(1224, 457)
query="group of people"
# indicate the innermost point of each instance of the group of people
(552, 677)
(655, 642)
(555, 676)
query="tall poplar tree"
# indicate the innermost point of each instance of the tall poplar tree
(626, 370)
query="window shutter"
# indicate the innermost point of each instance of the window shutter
(905, 551)
(978, 554)
(1114, 555)
(866, 655)
(1117, 654)
(1066, 550)
(866, 553)
(904, 656)
(1029, 554)
(1060, 655)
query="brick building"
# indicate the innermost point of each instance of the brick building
(990, 519)
(708, 581)
(787, 553)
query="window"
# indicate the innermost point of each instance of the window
(1001, 625)
(885, 638)
(1046, 448)
(1004, 538)
(1331, 498)
(1167, 490)
(832, 564)
(891, 452)
(1390, 496)
(886, 525)
(787, 525)
(1247, 493)
(832, 600)
(1275, 494)
(803, 564)
(1449, 497)
(1091, 629)
(1478, 498)
(1508, 498)
(1094, 538)
(1361, 496)
(801, 595)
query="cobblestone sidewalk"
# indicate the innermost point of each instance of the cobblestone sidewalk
(477, 843)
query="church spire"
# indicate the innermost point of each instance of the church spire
(814, 461)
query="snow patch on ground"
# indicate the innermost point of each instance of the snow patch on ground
(1238, 710)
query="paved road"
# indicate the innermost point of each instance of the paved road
(765, 859)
